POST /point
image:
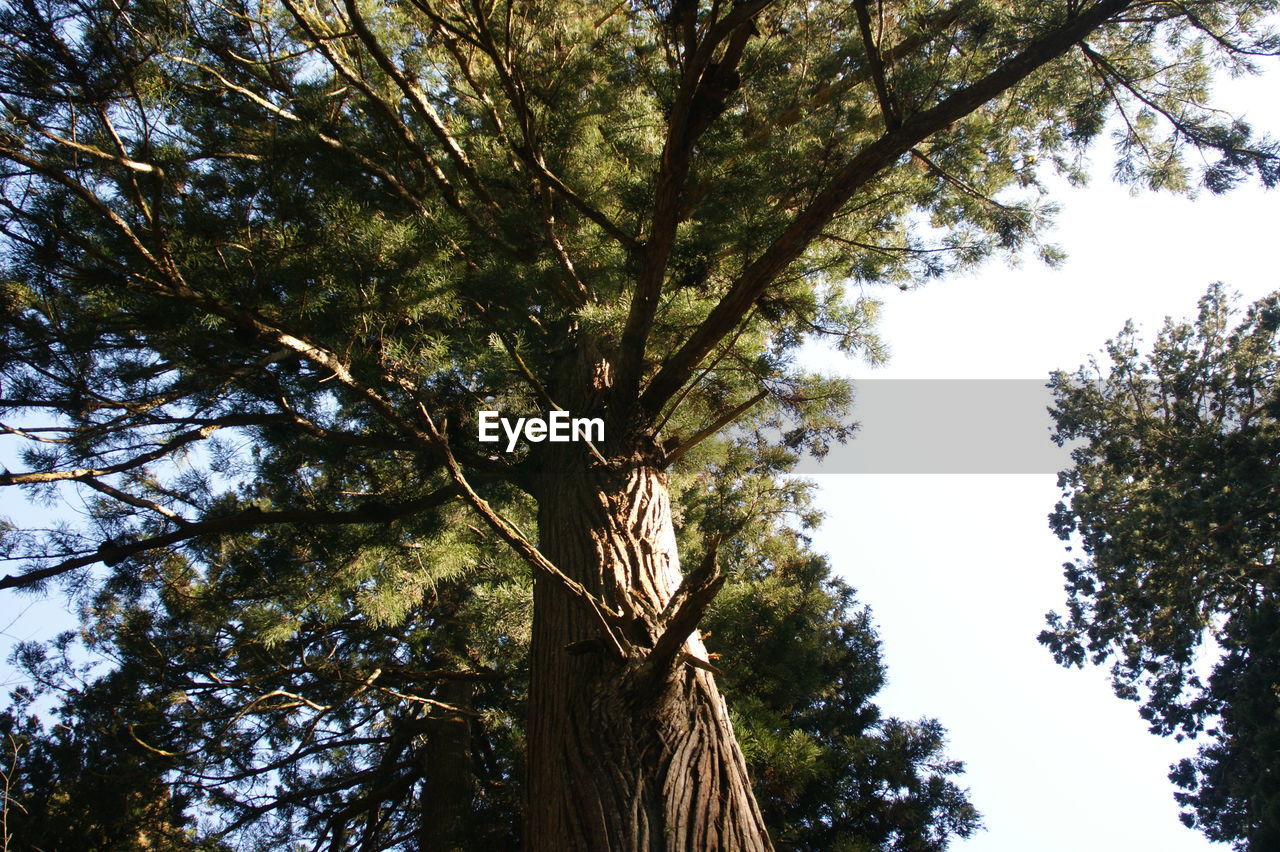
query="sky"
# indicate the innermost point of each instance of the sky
(959, 569)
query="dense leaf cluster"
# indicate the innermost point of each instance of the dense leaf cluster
(1174, 498)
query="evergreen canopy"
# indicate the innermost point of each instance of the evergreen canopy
(1174, 498)
(265, 261)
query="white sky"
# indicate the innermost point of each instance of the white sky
(960, 569)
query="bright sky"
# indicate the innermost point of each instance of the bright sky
(960, 569)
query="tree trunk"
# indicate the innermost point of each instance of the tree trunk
(619, 760)
(447, 791)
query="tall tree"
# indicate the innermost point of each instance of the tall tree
(337, 230)
(405, 733)
(1174, 498)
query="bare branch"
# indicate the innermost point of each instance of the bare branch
(132, 500)
(82, 473)
(682, 613)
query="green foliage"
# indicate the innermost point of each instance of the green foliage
(801, 663)
(308, 732)
(255, 252)
(85, 784)
(1173, 499)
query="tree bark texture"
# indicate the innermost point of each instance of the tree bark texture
(619, 760)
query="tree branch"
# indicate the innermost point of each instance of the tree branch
(875, 65)
(418, 101)
(857, 173)
(932, 26)
(110, 553)
(715, 426)
(702, 97)
(683, 611)
(447, 190)
(174, 443)
(528, 150)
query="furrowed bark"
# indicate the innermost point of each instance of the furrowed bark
(618, 762)
(621, 758)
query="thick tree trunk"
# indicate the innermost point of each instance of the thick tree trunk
(618, 760)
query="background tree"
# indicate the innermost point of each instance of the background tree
(81, 783)
(265, 261)
(1174, 498)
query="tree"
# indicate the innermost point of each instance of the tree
(78, 785)
(336, 231)
(1173, 500)
(363, 762)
